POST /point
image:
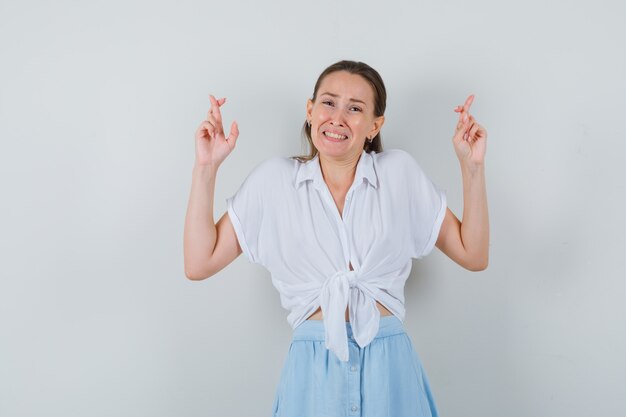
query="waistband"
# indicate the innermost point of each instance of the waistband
(314, 329)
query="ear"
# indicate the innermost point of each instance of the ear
(378, 124)
(309, 109)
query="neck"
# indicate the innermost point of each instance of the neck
(339, 172)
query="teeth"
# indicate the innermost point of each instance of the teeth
(335, 136)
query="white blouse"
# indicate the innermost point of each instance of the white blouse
(286, 220)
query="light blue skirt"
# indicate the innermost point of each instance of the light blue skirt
(383, 379)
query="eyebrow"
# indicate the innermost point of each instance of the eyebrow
(352, 99)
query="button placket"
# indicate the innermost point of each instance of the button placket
(349, 248)
(343, 235)
(354, 380)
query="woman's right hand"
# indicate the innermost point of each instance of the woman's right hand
(212, 147)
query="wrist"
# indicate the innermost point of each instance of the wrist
(205, 169)
(472, 168)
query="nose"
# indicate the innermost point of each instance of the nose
(337, 119)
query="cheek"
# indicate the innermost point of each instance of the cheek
(320, 114)
(358, 123)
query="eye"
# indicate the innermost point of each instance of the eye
(328, 102)
(355, 108)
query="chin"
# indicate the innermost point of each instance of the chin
(335, 152)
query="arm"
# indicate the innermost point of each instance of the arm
(467, 242)
(209, 247)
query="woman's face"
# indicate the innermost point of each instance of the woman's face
(342, 115)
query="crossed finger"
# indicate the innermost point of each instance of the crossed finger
(468, 103)
(214, 116)
(465, 119)
(464, 109)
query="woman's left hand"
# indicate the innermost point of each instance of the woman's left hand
(470, 138)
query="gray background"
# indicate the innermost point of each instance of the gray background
(99, 102)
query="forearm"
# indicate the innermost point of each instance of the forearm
(200, 233)
(475, 223)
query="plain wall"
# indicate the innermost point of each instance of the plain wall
(99, 102)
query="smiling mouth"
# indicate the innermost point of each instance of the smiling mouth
(335, 136)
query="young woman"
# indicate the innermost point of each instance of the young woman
(337, 230)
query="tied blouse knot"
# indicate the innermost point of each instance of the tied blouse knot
(285, 219)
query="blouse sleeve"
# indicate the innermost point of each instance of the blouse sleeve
(245, 209)
(427, 210)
